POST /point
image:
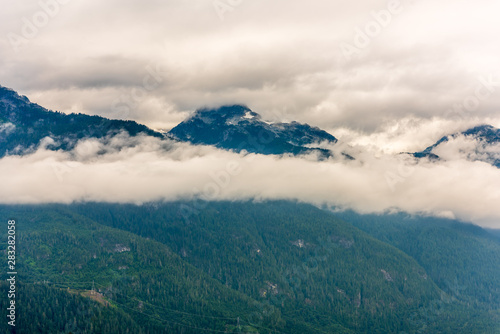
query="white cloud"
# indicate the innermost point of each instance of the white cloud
(282, 56)
(408, 134)
(145, 169)
(468, 148)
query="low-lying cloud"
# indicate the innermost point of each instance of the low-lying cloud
(144, 169)
(468, 148)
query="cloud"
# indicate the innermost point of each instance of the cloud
(281, 58)
(462, 147)
(412, 82)
(143, 169)
(408, 134)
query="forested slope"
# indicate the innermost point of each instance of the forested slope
(271, 267)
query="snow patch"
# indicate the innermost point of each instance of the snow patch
(249, 115)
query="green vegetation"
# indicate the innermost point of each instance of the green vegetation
(44, 309)
(141, 278)
(463, 259)
(273, 267)
(33, 123)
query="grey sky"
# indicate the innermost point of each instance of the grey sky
(288, 60)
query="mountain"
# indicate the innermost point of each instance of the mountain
(191, 267)
(23, 126)
(463, 259)
(78, 276)
(238, 128)
(486, 146)
(495, 232)
(232, 267)
(298, 257)
(273, 266)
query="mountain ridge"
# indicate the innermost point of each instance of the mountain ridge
(486, 135)
(23, 125)
(238, 128)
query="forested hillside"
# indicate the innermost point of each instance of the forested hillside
(272, 267)
(23, 125)
(64, 256)
(300, 257)
(463, 259)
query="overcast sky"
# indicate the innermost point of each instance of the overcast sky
(383, 76)
(381, 69)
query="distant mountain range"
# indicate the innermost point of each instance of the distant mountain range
(487, 149)
(24, 125)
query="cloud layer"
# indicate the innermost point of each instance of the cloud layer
(285, 59)
(142, 169)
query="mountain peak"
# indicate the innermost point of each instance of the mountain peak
(238, 128)
(486, 136)
(226, 111)
(484, 132)
(229, 114)
(8, 95)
